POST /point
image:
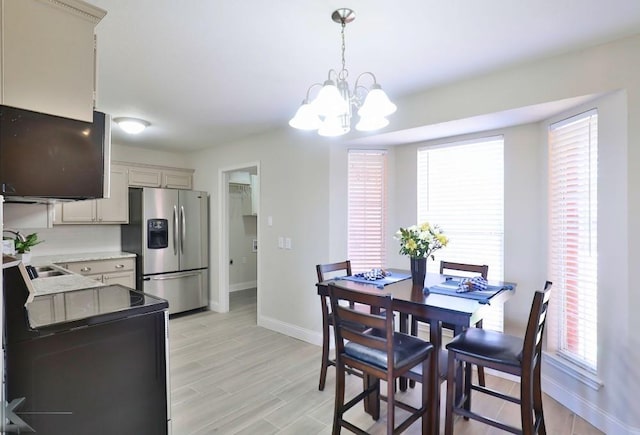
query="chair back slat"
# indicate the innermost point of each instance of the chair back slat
(323, 269)
(532, 346)
(364, 339)
(483, 269)
(355, 325)
(362, 318)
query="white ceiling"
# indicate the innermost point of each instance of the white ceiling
(208, 72)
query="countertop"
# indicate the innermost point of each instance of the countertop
(72, 281)
(42, 260)
(63, 283)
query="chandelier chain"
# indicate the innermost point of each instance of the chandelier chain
(343, 73)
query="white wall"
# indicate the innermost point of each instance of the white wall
(303, 188)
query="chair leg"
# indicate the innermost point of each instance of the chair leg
(467, 387)
(481, 379)
(325, 356)
(390, 405)
(526, 404)
(339, 399)
(451, 380)
(537, 400)
(426, 389)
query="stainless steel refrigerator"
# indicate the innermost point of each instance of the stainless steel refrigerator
(168, 232)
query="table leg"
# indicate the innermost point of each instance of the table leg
(435, 336)
(404, 328)
(372, 401)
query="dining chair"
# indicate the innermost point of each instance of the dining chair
(483, 271)
(344, 268)
(381, 354)
(508, 354)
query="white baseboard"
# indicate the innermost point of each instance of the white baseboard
(294, 331)
(597, 417)
(215, 306)
(242, 286)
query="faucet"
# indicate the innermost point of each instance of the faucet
(18, 235)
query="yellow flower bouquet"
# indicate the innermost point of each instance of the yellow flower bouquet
(421, 241)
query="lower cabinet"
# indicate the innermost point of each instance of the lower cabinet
(112, 271)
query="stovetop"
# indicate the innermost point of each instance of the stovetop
(89, 306)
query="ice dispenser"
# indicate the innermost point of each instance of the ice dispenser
(157, 233)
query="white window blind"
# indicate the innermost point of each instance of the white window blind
(573, 225)
(367, 209)
(461, 189)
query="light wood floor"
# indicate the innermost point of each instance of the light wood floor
(229, 376)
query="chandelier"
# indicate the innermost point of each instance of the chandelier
(331, 111)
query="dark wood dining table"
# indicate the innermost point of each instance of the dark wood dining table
(432, 308)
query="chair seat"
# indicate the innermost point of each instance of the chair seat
(405, 349)
(490, 346)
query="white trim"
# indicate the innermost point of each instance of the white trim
(572, 370)
(590, 412)
(214, 306)
(313, 337)
(223, 236)
(242, 286)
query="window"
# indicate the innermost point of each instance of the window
(367, 209)
(573, 229)
(461, 189)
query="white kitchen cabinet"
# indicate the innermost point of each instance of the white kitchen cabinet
(160, 177)
(111, 271)
(48, 56)
(113, 210)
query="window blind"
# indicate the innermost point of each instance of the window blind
(573, 225)
(461, 189)
(366, 209)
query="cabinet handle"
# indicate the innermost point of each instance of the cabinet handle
(85, 269)
(119, 266)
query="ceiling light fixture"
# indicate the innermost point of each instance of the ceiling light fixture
(330, 112)
(132, 125)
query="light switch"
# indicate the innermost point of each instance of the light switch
(270, 221)
(281, 242)
(287, 243)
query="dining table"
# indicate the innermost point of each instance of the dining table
(432, 307)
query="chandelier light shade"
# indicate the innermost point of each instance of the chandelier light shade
(132, 125)
(330, 111)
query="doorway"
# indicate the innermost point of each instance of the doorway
(239, 234)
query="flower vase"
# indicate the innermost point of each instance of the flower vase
(418, 270)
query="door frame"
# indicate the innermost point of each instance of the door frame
(223, 233)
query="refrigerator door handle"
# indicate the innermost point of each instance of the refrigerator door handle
(172, 276)
(183, 229)
(175, 230)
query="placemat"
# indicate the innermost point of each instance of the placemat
(450, 288)
(390, 279)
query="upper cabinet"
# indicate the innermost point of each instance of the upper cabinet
(48, 56)
(112, 210)
(158, 176)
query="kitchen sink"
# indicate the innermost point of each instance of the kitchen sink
(49, 271)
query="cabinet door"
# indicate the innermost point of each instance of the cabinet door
(48, 57)
(127, 279)
(144, 177)
(116, 208)
(177, 180)
(77, 212)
